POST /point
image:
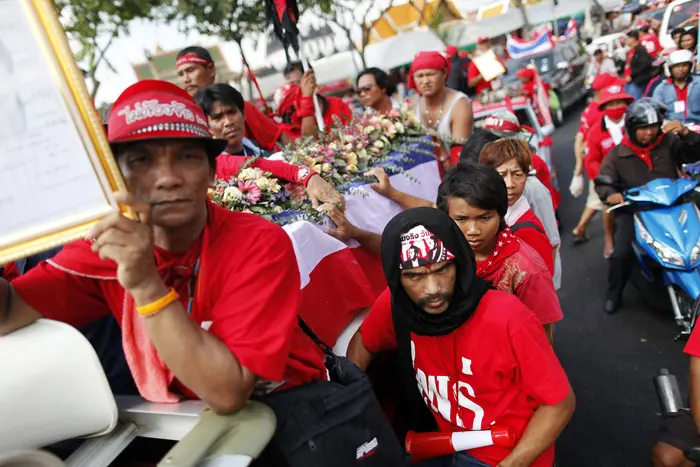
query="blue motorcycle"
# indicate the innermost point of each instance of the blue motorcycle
(667, 244)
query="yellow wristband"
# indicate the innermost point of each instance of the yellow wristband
(158, 305)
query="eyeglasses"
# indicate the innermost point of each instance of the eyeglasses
(367, 88)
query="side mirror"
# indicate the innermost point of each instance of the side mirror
(547, 130)
(563, 65)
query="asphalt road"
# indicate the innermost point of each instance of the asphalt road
(610, 360)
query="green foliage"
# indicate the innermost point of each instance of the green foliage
(93, 25)
(230, 20)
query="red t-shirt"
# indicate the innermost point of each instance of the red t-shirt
(591, 114)
(692, 348)
(598, 144)
(228, 166)
(336, 109)
(497, 368)
(651, 42)
(473, 72)
(10, 272)
(248, 288)
(537, 239)
(525, 275)
(260, 127)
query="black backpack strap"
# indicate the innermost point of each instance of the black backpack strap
(525, 225)
(317, 340)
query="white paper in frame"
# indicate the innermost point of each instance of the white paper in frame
(57, 173)
(489, 66)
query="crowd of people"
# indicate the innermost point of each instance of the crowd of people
(190, 300)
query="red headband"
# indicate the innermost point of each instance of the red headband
(427, 61)
(192, 59)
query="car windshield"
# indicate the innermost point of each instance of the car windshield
(653, 14)
(681, 13)
(544, 62)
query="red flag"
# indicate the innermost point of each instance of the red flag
(284, 14)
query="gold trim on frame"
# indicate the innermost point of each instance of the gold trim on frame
(68, 78)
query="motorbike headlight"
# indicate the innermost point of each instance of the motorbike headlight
(695, 254)
(665, 253)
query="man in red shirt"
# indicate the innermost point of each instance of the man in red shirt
(589, 117)
(478, 355)
(297, 110)
(196, 70)
(650, 41)
(604, 135)
(207, 299)
(474, 78)
(223, 106)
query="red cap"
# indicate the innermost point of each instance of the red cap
(482, 39)
(153, 109)
(602, 81)
(451, 51)
(526, 72)
(614, 93)
(462, 54)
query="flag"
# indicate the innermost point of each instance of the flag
(571, 29)
(541, 42)
(542, 99)
(283, 15)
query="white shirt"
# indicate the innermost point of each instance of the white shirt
(616, 130)
(540, 201)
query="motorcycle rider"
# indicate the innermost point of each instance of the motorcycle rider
(605, 134)
(680, 93)
(647, 152)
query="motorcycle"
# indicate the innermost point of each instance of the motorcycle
(667, 243)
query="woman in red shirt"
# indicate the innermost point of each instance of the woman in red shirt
(475, 196)
(511, 158)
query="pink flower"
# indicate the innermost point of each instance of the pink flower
(250, 190)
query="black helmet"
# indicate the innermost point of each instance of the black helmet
(641, 113)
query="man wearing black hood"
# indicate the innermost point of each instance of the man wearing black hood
(479, 356)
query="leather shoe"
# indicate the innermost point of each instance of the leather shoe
(611, 306)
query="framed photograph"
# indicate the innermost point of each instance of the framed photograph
(489, 66)
(57, 173)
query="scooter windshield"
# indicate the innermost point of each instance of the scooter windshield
(663, 191)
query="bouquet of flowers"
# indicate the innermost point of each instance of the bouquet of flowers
(343, 156)
(255, 191)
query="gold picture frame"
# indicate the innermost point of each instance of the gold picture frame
(73, 179)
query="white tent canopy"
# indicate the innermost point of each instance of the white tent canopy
(402, 48)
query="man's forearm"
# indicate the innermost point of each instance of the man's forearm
(544, 428)
(197, 358)
(407, 201)
(578, 152)
(14, 312)
(694, 382)
(370, 241)
(358, 353)
(308, 126)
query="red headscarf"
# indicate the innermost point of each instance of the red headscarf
(431, 60)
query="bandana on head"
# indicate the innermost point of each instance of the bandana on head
(192, 59)
(420, 247)
(430, 60)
